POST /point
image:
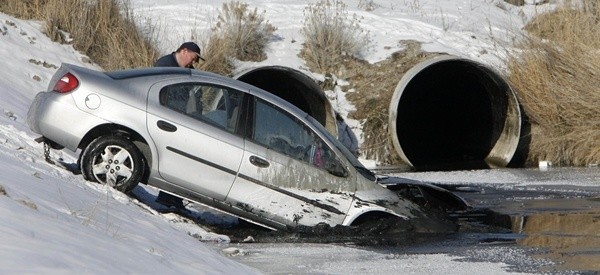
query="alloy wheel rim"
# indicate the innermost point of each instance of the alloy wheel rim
(113, 166)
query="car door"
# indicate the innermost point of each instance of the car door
(193, 125)
(289, 174)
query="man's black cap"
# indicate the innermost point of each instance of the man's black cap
(191, 46)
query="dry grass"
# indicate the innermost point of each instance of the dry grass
(240, 33)
(218, 59)
(23, 9)
(331, 34)
(103, 30)
(557, 77)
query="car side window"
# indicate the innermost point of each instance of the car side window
(210, 103)
(281, 132)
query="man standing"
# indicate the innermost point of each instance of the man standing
(186, 55)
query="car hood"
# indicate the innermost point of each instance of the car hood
(423, 193)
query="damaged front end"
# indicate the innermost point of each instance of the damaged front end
(424, 194)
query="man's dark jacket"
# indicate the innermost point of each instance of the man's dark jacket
(167, 61)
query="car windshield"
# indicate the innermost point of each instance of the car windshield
(347, 154)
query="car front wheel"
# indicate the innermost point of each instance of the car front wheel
(113, 160)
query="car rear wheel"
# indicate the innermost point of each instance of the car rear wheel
(113, 160)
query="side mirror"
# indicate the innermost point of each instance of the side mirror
(337, 169)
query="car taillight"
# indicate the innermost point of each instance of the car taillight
(66, 84)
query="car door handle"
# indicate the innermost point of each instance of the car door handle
(259, 162)
(166, 126)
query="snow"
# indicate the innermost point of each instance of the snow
(55, 222)
(322, 259)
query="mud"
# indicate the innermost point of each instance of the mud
(386, 232)
(432, 223)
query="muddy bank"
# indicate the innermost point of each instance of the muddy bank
(387, 232)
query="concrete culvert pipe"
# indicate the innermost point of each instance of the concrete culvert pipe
(454, 113)
(295, 87)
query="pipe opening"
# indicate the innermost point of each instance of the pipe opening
(451, 113)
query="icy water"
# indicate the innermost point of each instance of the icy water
(571, 237)
(532, 221)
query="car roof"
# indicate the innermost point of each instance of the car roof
(154, 71)
(137, 75)
(132, 74)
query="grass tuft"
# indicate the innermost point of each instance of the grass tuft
(331, 33)
(104, 30)
(240, 33)
(557, 78)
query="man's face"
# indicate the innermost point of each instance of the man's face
(189, 58)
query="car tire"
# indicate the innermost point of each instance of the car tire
(113, 160)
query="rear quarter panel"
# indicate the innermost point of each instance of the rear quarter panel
(56, 117)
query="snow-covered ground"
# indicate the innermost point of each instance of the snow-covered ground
(55, 222)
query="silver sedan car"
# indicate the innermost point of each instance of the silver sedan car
(220, 142)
